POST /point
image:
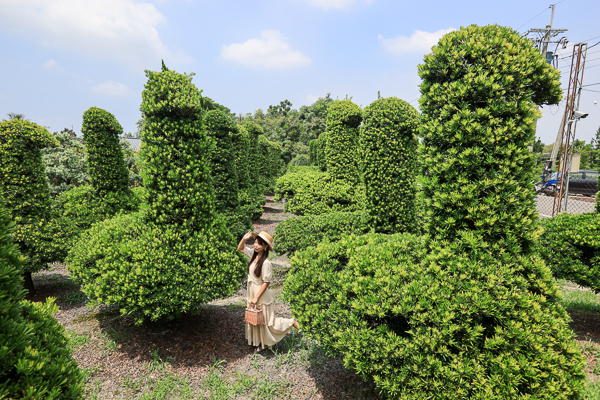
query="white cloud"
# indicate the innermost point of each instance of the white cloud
(272, 51)
(420, 42)
(339, 4)
(310, 99)
(111, 89)
(119, 29)
(50, 64)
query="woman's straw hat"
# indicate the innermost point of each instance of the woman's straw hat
(266, 237)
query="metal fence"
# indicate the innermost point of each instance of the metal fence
(581, 198)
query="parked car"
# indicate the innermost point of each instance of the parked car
(584, 182)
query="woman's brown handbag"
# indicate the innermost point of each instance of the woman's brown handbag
(254, 316)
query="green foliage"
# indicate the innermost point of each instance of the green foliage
(108, 173)
(66, 165)
(176, 253)
(276, 166)
(388, 154)
(132, 163)
(480, 86)
(343, 120)
(311, 192)
(426, 321)
(299, 233)
(24, 185)
(313, 152)
(35, 361)
(570, 246)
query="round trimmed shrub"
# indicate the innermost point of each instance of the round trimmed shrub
(24, 186)
(300, 159)
(296, 234)
(177, 252)
(480, 86)
(343, 121)
(388, 156)
(570, 246)
(311, 192)
(425, 321)
(35, 362)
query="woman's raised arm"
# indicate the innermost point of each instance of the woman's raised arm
(243, 241)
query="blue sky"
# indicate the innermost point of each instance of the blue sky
(60, 57)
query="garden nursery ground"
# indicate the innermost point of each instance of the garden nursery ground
(205, 355)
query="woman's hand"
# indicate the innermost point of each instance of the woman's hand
(253, 302)
(247, 235)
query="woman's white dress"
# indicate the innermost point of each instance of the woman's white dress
(274, 329)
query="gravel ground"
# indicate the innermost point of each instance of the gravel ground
(124, 361)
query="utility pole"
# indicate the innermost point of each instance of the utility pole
(542, 37)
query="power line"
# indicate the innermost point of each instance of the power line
(590, 90)
(533, 18)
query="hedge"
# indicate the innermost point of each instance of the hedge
(478, 96)
(298, 233)
(343, 120)
(24, 186)
(35, 362)
(300, 160)
(252, 195)
(570, 245)
(388, 149)
(176, 253)
(425, 321)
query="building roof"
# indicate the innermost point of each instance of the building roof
(135, 143)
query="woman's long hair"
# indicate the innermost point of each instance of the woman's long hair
(259, 263)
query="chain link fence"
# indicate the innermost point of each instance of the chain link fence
(579, 196)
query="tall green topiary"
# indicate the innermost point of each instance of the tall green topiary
(313, 151)
(108, 174)
(343, 121)
(24, 185)
(254, 197)
(220, 129)
(177, 252)
(388, 154)
(276, 165)
(35, 362)
(322, 151)
(469, 311)
(480, 86)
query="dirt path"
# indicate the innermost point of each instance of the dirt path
(200, 355)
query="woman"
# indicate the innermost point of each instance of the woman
(259, 278)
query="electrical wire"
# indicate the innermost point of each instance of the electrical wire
(589, 47)
(534, 18)
(590, 90)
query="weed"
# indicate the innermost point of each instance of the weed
(69, 283)
(117, 336)
(169, 387)
(74, 297)
(131, 384)
(77, 340)
(89, 372)
(255, 361)
(156, 364)
(268, 390)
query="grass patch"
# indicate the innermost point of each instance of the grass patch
(168, 387)
(584, 300)
(77, 340)
(74, 297)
